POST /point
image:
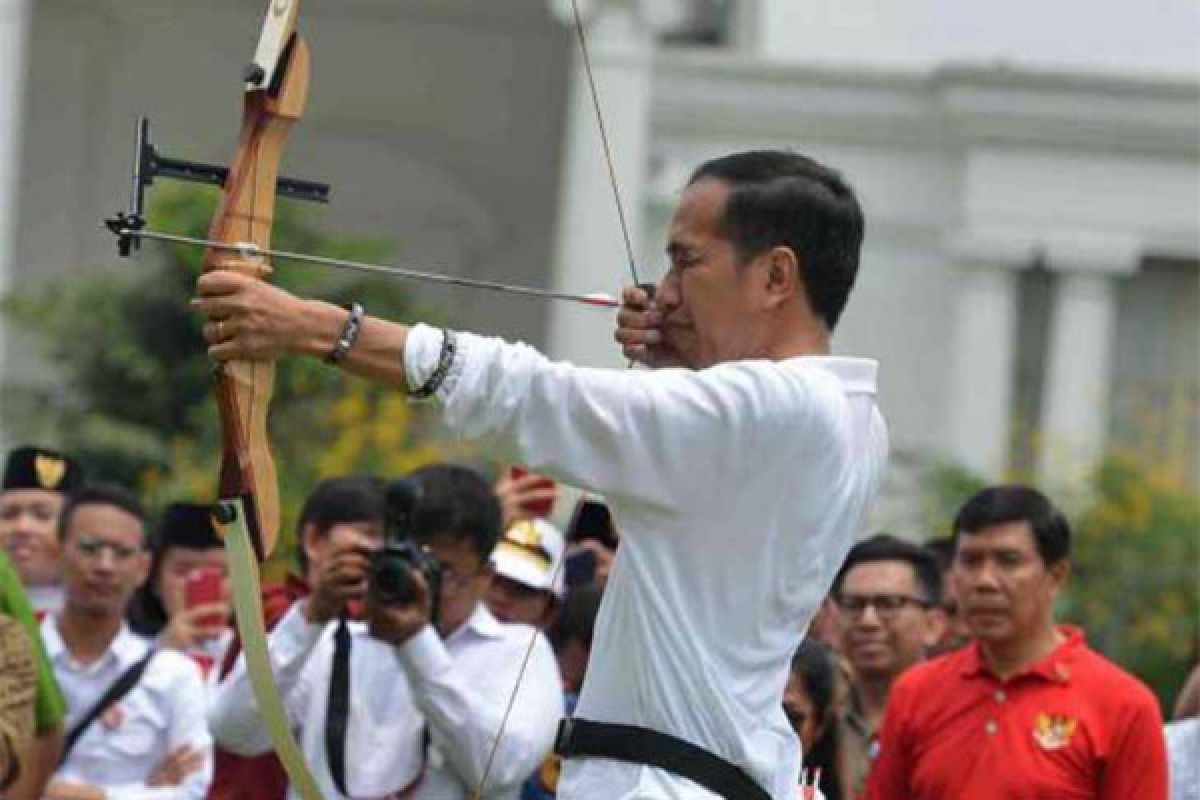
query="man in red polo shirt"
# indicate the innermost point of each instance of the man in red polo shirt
(1027, 711)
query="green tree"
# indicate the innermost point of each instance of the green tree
(132, 390)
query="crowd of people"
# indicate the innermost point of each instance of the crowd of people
(705, 627)
(123, 677)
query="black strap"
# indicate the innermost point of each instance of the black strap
(337, 712)
(635, 745)
(119, 688)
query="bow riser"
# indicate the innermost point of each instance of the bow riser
(245, 215)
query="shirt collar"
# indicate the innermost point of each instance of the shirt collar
(858, 374)
(1055, 667)
(480, 623)
(126, 647)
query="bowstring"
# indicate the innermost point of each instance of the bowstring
(612, 179)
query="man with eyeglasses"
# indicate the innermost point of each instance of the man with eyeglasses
(420, 703)
(148, 741)
(888, 592)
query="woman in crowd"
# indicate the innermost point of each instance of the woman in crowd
(811, 701)
(184, 603)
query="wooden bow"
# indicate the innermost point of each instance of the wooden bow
(275, 93)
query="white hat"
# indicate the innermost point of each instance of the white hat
(529, 552)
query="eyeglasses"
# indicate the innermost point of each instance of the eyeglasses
(885, 605)
(93, 546)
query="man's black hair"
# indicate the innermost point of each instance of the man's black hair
(998, 505)
(102, 494)
(337, 501)
(576, 620)
(942, 550)
(885, 547)
(458, 503)
(785, 199)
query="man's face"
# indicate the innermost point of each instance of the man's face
(103, 560)
(1005, 591)
(709, 302)
(887, 622)
(27, 532)
(513, 601)
(465, 580)
(364, 535)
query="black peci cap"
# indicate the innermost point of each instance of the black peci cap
(42, 468)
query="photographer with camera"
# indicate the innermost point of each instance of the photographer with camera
(463, 679)
(388, 707)
(313, 626)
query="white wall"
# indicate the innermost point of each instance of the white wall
(1116, 36)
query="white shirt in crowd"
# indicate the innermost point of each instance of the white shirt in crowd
(737, 490)
(45, 600)
(457, 689)
(1183, 755)
(164, 711)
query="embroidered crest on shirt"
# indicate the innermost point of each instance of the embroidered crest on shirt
(49, 470)
(112, 717)
(1053, 731)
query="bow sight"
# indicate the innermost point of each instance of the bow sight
(148, 164)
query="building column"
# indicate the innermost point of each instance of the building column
(590, 251)
(983, 366)
(1078, 379)
(14, 33)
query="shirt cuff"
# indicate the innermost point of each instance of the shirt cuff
(422, 351)
(424, 654)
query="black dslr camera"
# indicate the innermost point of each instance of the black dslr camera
(390, 575)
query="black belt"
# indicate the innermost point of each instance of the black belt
(629, 743)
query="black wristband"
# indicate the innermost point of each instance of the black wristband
(349, 335)
(445, 361)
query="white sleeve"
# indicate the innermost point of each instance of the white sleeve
(621, 433)
(465, 721)
(233, 714)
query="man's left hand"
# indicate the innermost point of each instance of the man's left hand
(397, 624)
(252, 320)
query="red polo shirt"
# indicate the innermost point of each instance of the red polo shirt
(1073, 726)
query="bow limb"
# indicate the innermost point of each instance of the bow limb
(248, 508)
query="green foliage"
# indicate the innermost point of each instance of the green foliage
(1135, 553)
(132, 391)
(1137, 572)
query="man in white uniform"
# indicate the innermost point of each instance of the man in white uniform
(737, 473)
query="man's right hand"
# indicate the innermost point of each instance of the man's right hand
(191, 627)
(341, 576)
(639, 330)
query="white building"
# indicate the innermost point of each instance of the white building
(1030, 173)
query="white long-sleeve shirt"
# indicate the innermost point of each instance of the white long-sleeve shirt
(737, 490)
(165, 710)
(457, 689)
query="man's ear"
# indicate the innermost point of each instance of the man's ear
(782, 279)
(1060, 573)
(143, 567)
(934, 630)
